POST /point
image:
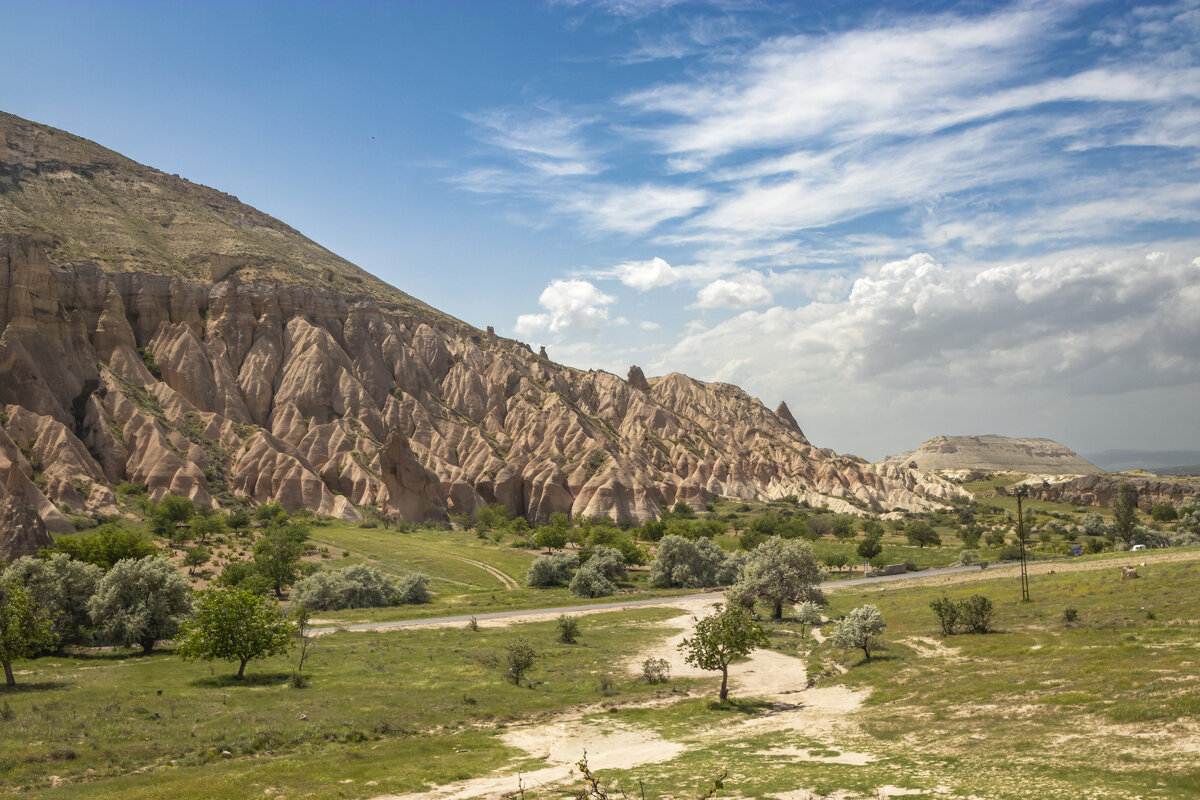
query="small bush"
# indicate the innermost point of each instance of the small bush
(976, 613)
(552, 570)
(1070, 615)
(473, 624)
(947, 612)
(656, 670)
(519, 658)
(568, 629)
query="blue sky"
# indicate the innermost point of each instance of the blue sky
(906, 219)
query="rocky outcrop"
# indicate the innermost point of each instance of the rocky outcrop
(22, 532)
(995, 454)
(1099, 490)
(217, 367)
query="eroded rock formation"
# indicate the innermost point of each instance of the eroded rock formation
(996, 453)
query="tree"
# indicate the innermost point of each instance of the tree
(519, 657)
(859, 630)
(60, 587)
(277, 554)
(780, 572)
(590, 581)
(681, 562)
(843, 528)
(167, 515)
(552, 570)
(271, 513)
(970, 535)
(808, 613)
(140, 602)
(207, 523)
(1124, 511)
(1164, 512)
(551, 538)
(234, 625)
(921, 534)
(104, 548)
(870, 546)
(238, 520)
(720, 638)
(24, 631)
(196, 556)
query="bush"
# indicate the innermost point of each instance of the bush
(568, 629)
(859, 630)
(968, 557)
(552, 570)
(1070, 615)
(976, 613)
(685, 563)
(656, 670)
(591, 581)
(519, 658)
(358, 586)
(947, 612)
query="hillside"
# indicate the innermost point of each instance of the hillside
(995, 453)
(123, 361)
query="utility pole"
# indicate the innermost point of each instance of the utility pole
(1022, 492)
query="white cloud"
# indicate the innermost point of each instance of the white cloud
(571, 305)
(649, 326)
(636, 209)
(546, 141)
(643, 275)
(722, 293)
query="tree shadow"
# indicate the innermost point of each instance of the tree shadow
(230, 680)
(747, 707)
(23, 687)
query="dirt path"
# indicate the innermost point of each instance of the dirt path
(503, 577)
(612, 744)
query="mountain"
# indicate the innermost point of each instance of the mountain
(995, 453)
(130, 353)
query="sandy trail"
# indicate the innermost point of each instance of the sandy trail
(611, 744)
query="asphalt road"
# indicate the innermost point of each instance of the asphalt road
(616, 606)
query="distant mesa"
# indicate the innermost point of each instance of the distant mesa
(995, 454)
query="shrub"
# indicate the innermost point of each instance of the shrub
(976, 613)
(656, 670)
(859, 630)
(591, 581)
(968, 557)
(412, 589)
(1070, 615)
(568, 629)
(552, 570)
(947, 612)
(685, 563)
(358, 586)
(519, 658)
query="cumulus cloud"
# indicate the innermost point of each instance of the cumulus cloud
(1083, 323)
(643, 275)
(733, 294)
(571, 305)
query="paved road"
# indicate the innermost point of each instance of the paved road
(616, 606)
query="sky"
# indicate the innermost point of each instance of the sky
(905, 219)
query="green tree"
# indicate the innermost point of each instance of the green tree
(277, 554)
(921, 534)
(843, 528)
(168, 515)
(24, 631)
(870, 547)
(238, 520)
(681, 562)
(1164, 512)
(859, 630)
(104, 548)
(140, 602)
(234, 625)
(551, 538)
(552, 570)
(728, 634)
(196, 556)
(1124, 511)
(207, 523)
(61, 588)
(519, 658)
(778, 572)
(270, 513)
(970, 535)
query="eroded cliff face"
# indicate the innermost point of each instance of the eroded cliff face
(333, 402)
(995, 453)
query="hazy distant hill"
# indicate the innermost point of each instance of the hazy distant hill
(991, 452)
(1165, 461)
